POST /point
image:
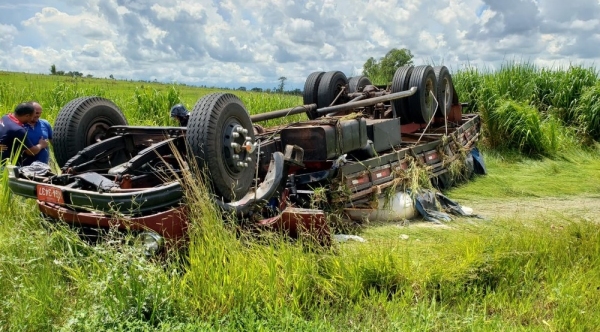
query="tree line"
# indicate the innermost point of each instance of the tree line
(53, 71)
(379, 71)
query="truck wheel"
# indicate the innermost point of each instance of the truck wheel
(81, 123)
(445, 90)
(311, 88)
(422, 104)
(221, 136)
(330, 87)
(400, 83)
(358, 83)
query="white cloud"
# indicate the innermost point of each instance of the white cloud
(587, 25)
(7, 35)
(254, 42)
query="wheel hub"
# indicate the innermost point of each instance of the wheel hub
(96, 132)
(238, 147)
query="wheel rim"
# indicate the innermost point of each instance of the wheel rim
(237, 146)
(339, 85)
(97, 131)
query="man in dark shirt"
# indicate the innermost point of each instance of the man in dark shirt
(13, 135)
(181, 114)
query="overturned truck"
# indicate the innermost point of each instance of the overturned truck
(362, 147)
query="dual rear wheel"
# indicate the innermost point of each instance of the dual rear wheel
(434, 96)
(325, 89)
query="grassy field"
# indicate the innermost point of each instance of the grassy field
(531, 262)
(143, 103)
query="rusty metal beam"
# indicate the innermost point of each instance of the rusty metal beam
(368, 102)
(343, 107)
(284, 112)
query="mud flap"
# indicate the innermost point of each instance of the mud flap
(478, 164)
(267, 189)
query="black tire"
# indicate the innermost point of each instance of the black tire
(311, 89)
(400, 83)
(445, 90)
(210, 135)
(358, 83)
(330, 86)
(81, 123)
(422, 102)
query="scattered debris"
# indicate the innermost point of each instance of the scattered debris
(345, 238)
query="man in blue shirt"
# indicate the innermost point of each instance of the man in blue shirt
(13, 135)
(38, 129)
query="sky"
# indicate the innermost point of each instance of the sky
(252, 43)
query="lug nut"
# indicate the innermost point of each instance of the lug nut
(236, 135)
(249, 159)
(235, 145)
(236, 157)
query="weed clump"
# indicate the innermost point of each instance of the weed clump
(587, 113)
(513, 125)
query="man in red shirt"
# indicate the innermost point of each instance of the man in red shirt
(13, 135)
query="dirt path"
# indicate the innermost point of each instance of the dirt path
(573, 207)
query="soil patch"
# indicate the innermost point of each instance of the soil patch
(571, 207)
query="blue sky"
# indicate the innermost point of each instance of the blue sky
(252, 43)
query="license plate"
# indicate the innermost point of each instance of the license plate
(50, 194)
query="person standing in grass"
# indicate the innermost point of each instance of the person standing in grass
(13, 134)
(181, 114)
(37, 129)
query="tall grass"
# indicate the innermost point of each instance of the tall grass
(515, 125)
(143, 103)
(587, 112)
(514, 274)
(153, 106)
(509, 98)
(507, 273)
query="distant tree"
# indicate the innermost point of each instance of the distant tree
(111, 77)
(281, 83)
(382, 71)
(60, 72)
(242, 88)
(89, 76)
(53, 70)
(256, 89)
(74, 74)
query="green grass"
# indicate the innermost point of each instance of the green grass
(142, 103)
(587, 112)
(536, 271)
(504, 273)
(530, 109)
(575, 173)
